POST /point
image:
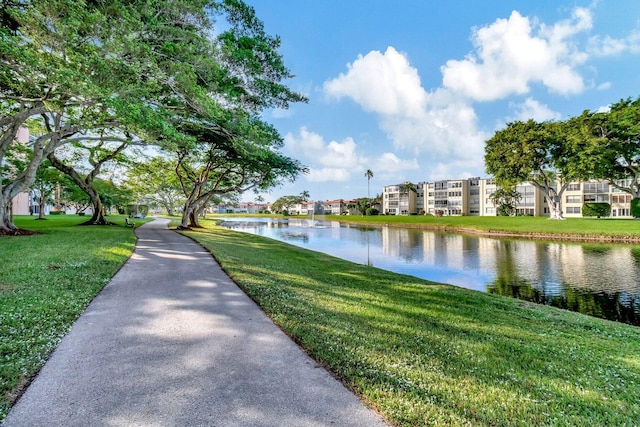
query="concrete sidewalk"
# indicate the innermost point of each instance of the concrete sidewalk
(172, 341)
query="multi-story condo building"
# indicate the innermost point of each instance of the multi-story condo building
(399, 200)
(579, 193)
(472, 196)
(446, 198)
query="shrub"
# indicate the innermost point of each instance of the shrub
(372, 211)
(635, 208)
(596, 209)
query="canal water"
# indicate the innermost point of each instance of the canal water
(601, 280)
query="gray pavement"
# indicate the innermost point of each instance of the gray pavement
(172, 341)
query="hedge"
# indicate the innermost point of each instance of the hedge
(596, 209)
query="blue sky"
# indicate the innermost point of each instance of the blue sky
(411, 89)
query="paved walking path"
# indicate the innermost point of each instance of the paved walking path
(172, 341)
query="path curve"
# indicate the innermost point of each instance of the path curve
(172, 341)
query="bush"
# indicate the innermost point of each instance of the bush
(372, 211)
(596, 209)
(57, 213)
(635, 208)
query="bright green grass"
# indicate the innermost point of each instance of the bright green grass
(527, 225)
(46, 282)
(523, 224)
(428, 354)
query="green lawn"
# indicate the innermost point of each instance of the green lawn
(47, 281)
(429, 354)
(523, 224)
(619, 228)
(419, 352)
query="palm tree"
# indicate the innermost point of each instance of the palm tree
(304, 195)
(368, 174)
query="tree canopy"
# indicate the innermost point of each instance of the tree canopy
(602, 145)
(143, 72)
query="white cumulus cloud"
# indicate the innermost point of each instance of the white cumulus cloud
(609, 46)
(532, 109)
(383, 83)
(510, 55)
(434, 125)
(340, 161)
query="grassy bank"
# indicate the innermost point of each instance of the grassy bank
(429, 354)
(46, 282)
(598, 229)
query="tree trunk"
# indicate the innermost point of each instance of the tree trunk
(6, 218)
(193, 219)
(186, 214)
(6, 203)
(98, 211)
(42, 201)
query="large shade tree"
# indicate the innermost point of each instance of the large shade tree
(95, 152)
(48, 73)
(533, 152)
(610, 144)
(153, 180)
(224, 164)
(147, 66)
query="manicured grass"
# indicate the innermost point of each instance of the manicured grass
(523, 224)
(46, 282)
(429, 354)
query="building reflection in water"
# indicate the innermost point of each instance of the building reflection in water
(601, 280)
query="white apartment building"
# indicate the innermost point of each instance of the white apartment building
(472, 197)
(397, 200)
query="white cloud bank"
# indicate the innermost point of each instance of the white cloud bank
(340, 161)
(510, 56)
(434, 125)
(532, 109)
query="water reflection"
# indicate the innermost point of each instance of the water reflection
(595, 279)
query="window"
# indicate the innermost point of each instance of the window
(621, 198)
(598, 198)
(474, 191)
(524, 189)
(573, 209)
(573, 187)
(527, 201)
(573, 199)
(595, 187)
(621, 212)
